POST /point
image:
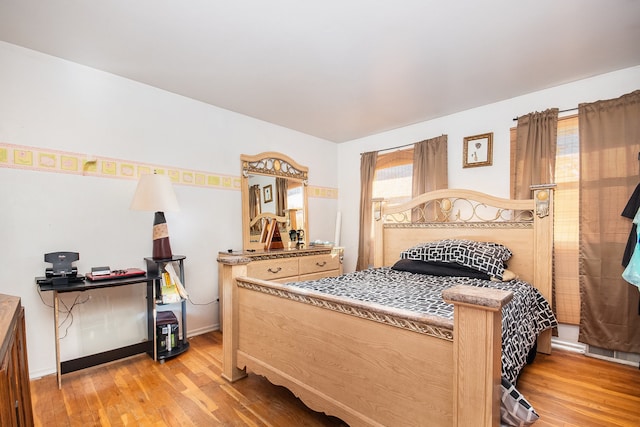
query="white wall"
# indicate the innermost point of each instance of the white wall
(50, 103)
(496, 118)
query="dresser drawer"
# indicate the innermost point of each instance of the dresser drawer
(319, 275)
(319, 263)
(273, 268)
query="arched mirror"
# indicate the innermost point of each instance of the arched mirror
(274, 202)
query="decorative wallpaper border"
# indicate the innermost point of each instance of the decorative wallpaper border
(47, 160)
(322, 192)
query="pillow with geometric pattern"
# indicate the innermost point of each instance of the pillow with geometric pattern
(515, 410)
(488, 257)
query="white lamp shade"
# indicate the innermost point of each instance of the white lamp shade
(155, 193)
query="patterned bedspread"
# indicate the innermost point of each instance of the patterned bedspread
(523, 318)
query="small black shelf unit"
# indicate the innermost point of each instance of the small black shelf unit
(155, 268)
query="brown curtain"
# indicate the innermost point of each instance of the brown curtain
(365, 242)
(430, 165)
(281, 196)
(609, 147)
(535, 151)
(429, 168)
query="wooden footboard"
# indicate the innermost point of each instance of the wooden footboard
(366, 364)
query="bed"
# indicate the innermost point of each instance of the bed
(370, 362)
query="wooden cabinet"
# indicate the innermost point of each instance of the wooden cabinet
(15, 391)
(292, 265)
(283, 266)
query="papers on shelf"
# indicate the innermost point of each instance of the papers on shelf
(172, 288)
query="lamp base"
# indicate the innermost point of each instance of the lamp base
(161, 244)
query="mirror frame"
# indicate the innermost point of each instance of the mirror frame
(274, 164)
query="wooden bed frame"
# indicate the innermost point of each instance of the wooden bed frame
(371, 365)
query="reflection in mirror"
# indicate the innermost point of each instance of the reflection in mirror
(273, 189)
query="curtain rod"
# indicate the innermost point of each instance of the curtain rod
(561, 111)
(389, 149)
(399, 146)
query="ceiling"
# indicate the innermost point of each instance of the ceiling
(336, 69)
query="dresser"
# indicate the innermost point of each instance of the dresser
(15, 393)
(293, 265)
(282, 266)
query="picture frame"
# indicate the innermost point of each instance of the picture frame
(268, 193)
(477, 150)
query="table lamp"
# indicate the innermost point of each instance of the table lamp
(155, 193)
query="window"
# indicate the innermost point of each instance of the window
(294, 196)
(566, 220)
(394, 174)
(566, 237)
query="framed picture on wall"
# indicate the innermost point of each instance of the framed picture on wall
(477, 150)
(268, 193)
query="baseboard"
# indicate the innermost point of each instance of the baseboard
(203, 330)
(557, 343)
(36, 375)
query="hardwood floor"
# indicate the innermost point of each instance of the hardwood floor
(566, 389)
(570, 389)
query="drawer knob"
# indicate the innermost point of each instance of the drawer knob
(321, 264)
(277, 270)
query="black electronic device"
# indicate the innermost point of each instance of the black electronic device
(62, 264)
(62, 271)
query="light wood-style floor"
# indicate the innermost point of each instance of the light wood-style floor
(566, 389)
(570, 389)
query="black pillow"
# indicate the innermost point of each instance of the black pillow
(437, 268)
